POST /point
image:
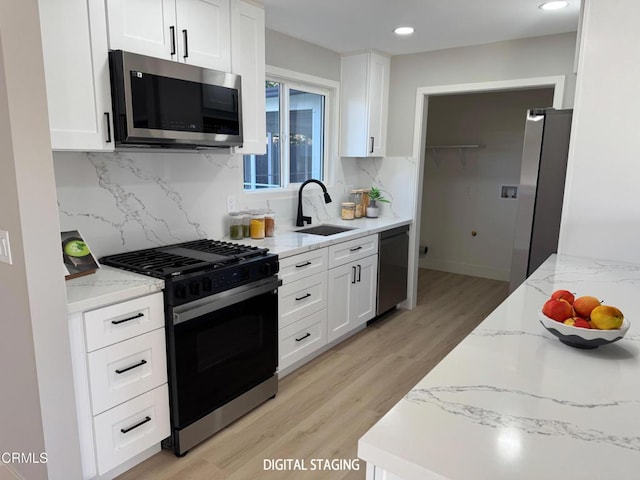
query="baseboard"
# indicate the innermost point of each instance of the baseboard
(7, 473)
(465, 269)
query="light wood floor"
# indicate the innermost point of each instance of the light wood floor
(324, 407)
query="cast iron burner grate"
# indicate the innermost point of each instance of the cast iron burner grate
(182, 258)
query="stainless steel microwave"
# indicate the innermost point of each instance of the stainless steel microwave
(169, 104)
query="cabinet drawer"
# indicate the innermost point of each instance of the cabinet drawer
(302, 338)
(131, 428)
(127, 369)
(303, 265)
(302, 298)
(346, 252)
(112, 324)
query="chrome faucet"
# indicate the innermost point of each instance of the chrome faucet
(301, 218)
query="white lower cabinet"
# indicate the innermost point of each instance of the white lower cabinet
(325, 294)
(352, 294)
(120, 375)
(302, 338)
(302, 308)
(130, 428)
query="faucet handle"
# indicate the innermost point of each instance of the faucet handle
(306, 219)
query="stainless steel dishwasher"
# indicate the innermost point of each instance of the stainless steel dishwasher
(393, 263)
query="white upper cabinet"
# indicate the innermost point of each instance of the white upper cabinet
(248, 61)
(74, 44)
(365, 99)
(190, 31)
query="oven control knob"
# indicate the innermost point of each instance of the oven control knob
(269, 268)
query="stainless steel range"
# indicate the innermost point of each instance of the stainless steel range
(221, 315)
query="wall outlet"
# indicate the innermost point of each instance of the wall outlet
(231, 203)
(5, 247)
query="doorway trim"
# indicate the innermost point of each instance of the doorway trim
(419, 147)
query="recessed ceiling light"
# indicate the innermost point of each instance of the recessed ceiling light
(553, 5)
(403, 30)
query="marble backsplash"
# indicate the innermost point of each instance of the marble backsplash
(125, 201)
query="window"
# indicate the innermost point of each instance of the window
(297, 130)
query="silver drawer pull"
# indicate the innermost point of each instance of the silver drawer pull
(355, 249)
(133, 427)
(142, 362)
(118, 322)
(303, 297)
(303, 337)
(305, 264)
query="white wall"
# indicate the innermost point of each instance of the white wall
(462, 189)
(37, 410)
(515, 59)
(293, 54)
(601, 213)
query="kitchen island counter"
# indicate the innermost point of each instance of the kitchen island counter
(511, 401)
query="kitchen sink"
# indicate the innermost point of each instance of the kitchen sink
(325, 230)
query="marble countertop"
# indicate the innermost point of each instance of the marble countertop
(111, 285)
(108, 285)
(512, 402)
(287, 242)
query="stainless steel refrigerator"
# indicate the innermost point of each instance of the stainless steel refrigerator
(542, 179)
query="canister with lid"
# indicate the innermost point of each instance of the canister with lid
(348, 210)
(356, 196)
(269, 223)
(257, 225)
(246, 224)
(235, 226)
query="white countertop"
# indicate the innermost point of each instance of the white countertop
(512, 402)
(108, 285)
(287, 242)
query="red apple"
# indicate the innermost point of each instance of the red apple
(563, 295)
(584, 305)
(558, 310)
(581, 322)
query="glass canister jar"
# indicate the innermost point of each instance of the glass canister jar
(269, 223)
(235, 226)
(356, 196)
(347, 210)
(246, 224)
(257, 225)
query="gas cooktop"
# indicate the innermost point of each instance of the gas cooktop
(181, 258)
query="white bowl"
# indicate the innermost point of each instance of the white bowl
(582, 337)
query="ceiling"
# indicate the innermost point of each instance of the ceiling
(351, 25)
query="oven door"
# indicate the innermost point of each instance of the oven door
(220, 347)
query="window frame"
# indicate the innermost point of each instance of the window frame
(316, 85)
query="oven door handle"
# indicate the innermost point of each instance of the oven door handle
(197, 308)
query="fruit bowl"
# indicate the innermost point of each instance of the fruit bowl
(582, 337)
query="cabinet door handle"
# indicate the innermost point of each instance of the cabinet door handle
(372, 141)
(353, 270)
(355, 249)
(303, 297)
(186, 43)
(303, 264)
(142, 362)
(133, 427)
(303, 337)
(172, 31)
(118, 322)
(359, 271)
(108, 120)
